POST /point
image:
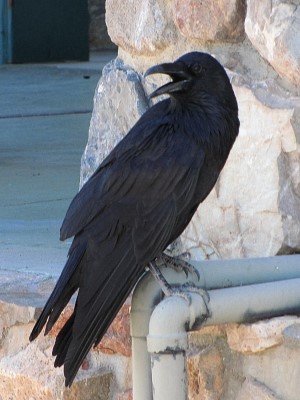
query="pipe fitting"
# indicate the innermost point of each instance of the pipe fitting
(170, 321)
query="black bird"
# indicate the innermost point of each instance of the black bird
(139, 200)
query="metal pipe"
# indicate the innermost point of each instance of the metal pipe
(174, 317)
(254, 302)
(246, 271)
(213, 274)
(167, 343)
(145, 296)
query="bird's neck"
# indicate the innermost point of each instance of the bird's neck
(208, 122)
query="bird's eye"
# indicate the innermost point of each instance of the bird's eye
(198, 69)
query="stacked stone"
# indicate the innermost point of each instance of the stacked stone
(254, 209)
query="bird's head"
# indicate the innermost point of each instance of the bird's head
(194, 75)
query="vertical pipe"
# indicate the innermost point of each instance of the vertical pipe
(142, 385)
(167, 342)
(169, 376)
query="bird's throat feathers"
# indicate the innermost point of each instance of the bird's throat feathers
(207, 122)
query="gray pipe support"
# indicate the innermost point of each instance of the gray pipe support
(239, 304)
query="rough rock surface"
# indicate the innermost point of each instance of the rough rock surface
(259, 336)
(254, 207)
(140, 27)
(118, 102)
(117, 339)
(274, 29)
(210, 21)
(253, 389)
(205, 364)
(216, 370)
(278, 369)
(29, 374)
(27, 370)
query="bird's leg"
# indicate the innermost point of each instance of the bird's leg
(181, 291)
(178, 264)
(164, 285)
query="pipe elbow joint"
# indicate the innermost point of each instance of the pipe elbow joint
(170, 321)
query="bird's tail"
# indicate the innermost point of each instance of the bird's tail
(105, 279)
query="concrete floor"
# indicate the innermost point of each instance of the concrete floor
(45, 110)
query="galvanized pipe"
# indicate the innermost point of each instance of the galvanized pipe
(237, 304)
(174, 317)
(167, 343)
(246, 271)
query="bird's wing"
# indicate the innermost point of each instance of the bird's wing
(146, 166)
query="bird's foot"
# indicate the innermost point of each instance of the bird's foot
(182, 291)
(178, 264)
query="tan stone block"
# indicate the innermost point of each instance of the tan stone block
(205, 371)
(125, 396)
(213, 330)
(273, 28)
(259, 336)
(64, 316)
(10, 314)
(23, 388)
(253, 389)
(30, 374)
(210, 21)
(277, 368)
(97, 387)
(117, 338)
(14, 339)
(253, 211)
(140, 27)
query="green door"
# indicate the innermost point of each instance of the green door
(49, 30)
(5, 32)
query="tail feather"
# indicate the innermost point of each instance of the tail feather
(63, 341)
(99, 321)
(66, 285)
(105, 286)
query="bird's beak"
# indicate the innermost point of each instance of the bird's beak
(177, 71)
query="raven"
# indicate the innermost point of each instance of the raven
(139, 200)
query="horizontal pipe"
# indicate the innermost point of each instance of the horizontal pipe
(173, 316)
(226, 305)
(253, 302)
(246, 271)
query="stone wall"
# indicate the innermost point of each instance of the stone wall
(254, 209)
(258, 361)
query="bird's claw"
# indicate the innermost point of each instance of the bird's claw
(178, 264)
(182, 291)
(191, 287)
